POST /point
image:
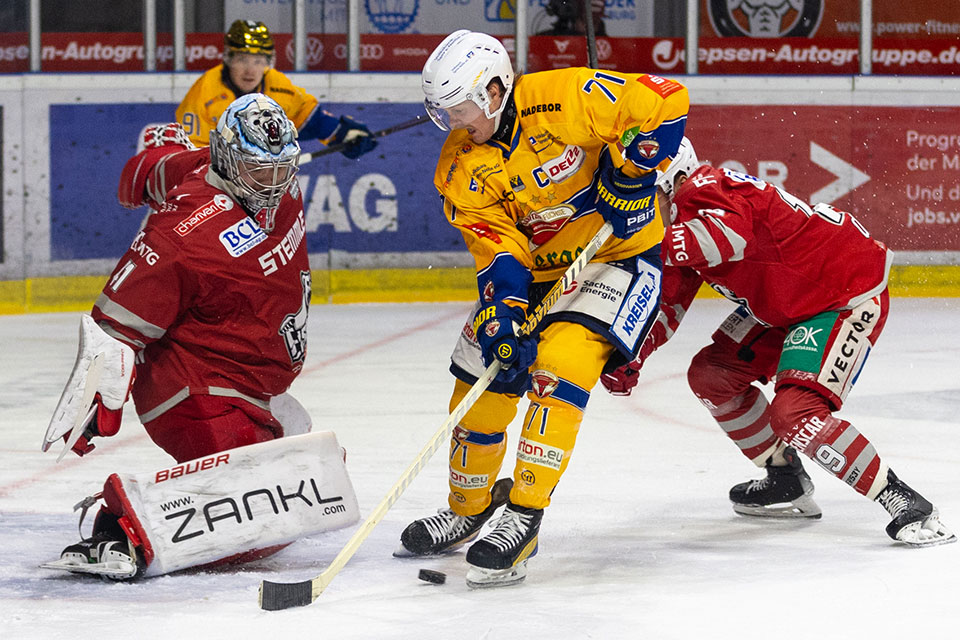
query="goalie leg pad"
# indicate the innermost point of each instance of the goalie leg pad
(234, 502)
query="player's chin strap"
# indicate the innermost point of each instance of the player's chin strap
(276, 595)
(337, 148)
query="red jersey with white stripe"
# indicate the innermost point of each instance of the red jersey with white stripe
(213, 304)
(761, 247)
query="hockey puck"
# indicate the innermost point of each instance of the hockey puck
(436, 577)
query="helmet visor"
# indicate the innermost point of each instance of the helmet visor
(456, 117)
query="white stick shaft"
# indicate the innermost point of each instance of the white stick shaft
(443, 433)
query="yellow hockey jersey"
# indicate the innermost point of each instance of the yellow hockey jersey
(210, 96)
(527, 210)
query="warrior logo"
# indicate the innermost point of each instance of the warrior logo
(765, 18)
(294, 326)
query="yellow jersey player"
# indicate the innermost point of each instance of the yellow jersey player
(531, 169)
(247, 67)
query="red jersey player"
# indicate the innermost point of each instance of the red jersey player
(210, 301)
(811, 288)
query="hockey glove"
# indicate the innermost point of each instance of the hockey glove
(622, 380)
(629, 204)
(162, 135)
(355, 135)
(496, 326)
(104, 423)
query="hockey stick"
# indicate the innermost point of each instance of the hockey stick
(336, 148)
(275, 596)
(591, 35)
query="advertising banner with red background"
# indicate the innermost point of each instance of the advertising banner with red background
(897, 169)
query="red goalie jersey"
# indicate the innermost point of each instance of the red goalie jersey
(212, 303)
(763, 248)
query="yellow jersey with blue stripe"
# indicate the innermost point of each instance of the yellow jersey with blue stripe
(527, 209)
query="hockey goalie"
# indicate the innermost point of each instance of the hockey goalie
(203, 323)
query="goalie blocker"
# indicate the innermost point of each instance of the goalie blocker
(228, 504)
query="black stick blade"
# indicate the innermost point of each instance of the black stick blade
(275, 596)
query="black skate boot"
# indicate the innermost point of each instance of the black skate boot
(500, 557)
(915, 522)
(100, 555)
(447, 531)
(784, 493)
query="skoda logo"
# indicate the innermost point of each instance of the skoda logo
(765, 18)
(391, 16)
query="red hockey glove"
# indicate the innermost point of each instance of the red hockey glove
(105, 423)
(162, 135)
(621, 381)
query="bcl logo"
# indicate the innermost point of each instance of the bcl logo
(241, 236)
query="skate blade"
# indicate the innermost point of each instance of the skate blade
(929, 533)
(802, 507)
(480, 578)
(115, 570)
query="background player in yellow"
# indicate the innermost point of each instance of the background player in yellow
(528, 165)
(247, 67)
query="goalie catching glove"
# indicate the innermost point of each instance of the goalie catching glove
(628, 203)
(92, 402)
(496, 326)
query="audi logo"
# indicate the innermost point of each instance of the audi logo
(367, 51)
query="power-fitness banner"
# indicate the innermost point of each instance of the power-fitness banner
(818, 56)
(383, 203)
(897, 169)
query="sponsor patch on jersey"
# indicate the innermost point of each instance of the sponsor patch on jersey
(540, 108)
(468, 480)
(566, 164)
(473, 185)
(483, 230)
(219, 204)
(540, 454)
(543, 224)
(659, 85)
(241, 236)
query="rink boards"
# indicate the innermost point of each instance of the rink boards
(881, 148)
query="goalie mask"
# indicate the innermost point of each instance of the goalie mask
(254, 149)
(456, 75)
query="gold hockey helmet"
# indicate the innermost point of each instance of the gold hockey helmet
(247, 36)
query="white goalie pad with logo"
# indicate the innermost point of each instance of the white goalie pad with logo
(237, 501)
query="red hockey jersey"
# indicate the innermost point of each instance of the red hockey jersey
(761, 247)
(211, 302)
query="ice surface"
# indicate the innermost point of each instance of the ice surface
(640, 541)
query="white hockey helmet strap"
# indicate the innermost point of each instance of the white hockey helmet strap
(460, 69)
(684, 162)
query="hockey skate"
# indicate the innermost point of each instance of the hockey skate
(100, 555)
(784, 493)
(448, 531)
(915, 522)
(500, 557)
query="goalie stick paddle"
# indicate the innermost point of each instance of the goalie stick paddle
(275, 596)
(336, 148)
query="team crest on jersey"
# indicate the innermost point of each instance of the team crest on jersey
(488, 291)
(294, 325)
(516, 183)
(544, 383)
(648, 149)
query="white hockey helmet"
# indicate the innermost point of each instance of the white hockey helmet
(685, 162)
(254, 149)
(457, 74)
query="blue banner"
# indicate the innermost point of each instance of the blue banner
(383, 202)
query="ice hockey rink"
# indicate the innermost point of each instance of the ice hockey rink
(639, 542)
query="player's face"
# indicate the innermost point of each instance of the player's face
(246, 70)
